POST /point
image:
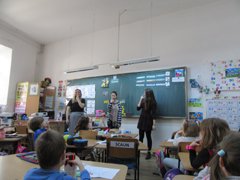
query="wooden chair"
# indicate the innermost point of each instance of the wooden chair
(182, 148)
(21, 129)
(57, 126)
(89, 152)
(124, 151)
(28, 142)
(88, 134)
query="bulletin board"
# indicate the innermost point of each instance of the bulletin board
(225, 75)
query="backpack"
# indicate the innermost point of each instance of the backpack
(77, 141)
(172, 173)
(159, 155)
(21, 149)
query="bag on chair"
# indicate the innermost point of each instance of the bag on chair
(21, 149)
(172, 173)
(159, 155)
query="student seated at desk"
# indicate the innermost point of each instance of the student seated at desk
(38, 126)
(190, 132)
(50, 148)
(212, 131)
(225, 164)
(84, 123)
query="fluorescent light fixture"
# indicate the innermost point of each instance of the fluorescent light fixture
(81, 69)
(135, 61)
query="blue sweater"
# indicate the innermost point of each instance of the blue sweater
(41, 174)
(37, 133)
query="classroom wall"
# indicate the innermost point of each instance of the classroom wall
(193, 38)
(24, 56)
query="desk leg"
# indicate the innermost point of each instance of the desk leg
(138, 164)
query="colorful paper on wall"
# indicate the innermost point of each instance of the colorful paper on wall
(21, 97)
(194, 83)
(105, 83)
(196, 116)
(194, 102)
(226, 75)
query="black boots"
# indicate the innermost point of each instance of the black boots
(148, 156)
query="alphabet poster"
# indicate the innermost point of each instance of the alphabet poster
(227, 109)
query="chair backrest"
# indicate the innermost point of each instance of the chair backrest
(57, 126)
(122, 148)
(182, 146)
(88, 134)
(21, 129)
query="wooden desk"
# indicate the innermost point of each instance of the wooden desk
(167, 144)
(14, 139)
(95, 143)
(183, 177)
(120, 135)
(184, 158)
(12, 142)
(11, 167)
(91, 144)
(141, 146)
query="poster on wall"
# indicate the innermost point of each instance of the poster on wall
(33, 89)
(88, 91)
(225, 75)
(196, 116)
(21, 97)
(227, 109)
(194, 102)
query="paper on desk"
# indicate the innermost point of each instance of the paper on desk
(100, 172)
(102, 142)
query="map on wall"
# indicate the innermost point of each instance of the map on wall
(225, 75)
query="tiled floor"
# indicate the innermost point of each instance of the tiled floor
(147, 167)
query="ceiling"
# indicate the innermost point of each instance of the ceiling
(47, 21)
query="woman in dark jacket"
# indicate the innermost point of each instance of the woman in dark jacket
(148, 105)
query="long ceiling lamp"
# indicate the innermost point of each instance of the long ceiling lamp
(135, 61)
(81, 69)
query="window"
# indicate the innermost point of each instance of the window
(5, 61)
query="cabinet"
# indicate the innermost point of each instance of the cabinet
(47, 99)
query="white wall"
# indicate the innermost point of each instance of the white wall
(24, 58)
(192, 38)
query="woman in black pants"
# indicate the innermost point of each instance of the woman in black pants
(148, 105)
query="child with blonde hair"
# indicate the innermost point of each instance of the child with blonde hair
(190, 132)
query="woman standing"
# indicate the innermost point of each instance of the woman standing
(75, 108)
(115, 112)
(148, 105)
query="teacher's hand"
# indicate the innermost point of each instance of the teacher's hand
(78, 98)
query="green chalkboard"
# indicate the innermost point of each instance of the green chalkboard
(169, 86)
